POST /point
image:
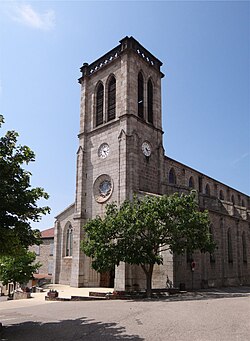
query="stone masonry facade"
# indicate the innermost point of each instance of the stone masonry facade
(45, 254)
(113, 164)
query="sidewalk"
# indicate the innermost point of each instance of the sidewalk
(65, 291)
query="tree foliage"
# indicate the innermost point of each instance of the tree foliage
(138, 231)
(18, 204)
(18, 268)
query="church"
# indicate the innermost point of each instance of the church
(120, 154)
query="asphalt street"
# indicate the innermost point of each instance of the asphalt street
(202, 317)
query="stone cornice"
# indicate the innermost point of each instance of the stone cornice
(126, 44)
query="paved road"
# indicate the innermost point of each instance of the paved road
(199, 318)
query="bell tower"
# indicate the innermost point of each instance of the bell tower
(120, 140)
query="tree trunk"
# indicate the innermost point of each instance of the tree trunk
(148, 270)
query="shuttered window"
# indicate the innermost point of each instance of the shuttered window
(50, 267)
(51, 248)
(99, 105)
(111, 98)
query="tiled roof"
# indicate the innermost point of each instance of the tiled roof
(49, 233)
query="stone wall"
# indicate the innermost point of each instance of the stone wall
(131, 172)
(226, 217)
(44, 255)
(62, 262)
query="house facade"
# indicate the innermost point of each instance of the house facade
(45, 255)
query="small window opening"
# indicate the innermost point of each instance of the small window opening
(172, 176)
(191, 182)
(69, 241)
(207, 189)
(221, 196)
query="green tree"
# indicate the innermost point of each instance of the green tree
(139, 230)
(18, 268)
(18, 203)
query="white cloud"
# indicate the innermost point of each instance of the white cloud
(25, 14)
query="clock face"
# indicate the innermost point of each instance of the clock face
(103, 150)
(146, 148)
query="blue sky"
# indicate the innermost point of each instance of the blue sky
(204, 47)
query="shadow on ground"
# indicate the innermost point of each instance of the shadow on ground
(67, 330)
(206, 294)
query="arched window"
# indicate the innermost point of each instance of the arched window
(99, 105)
(191, 182)
(172, 176)
(111, 98)
(69, 241)
(229, 247)
(200, 181)
(140, 95)
(221, 196)
(150, 101)
(232, 199)
(239, 200)
(207, 189)
(244, 247)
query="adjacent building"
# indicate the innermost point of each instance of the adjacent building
(45, 255)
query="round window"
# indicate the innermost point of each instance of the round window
(103, 187)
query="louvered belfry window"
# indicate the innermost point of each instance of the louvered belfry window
(99, 105)
(150, 101)
(111, 98)
(140, 95)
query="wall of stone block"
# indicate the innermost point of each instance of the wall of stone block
(131, 172)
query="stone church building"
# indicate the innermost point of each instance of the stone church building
(121, 153)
